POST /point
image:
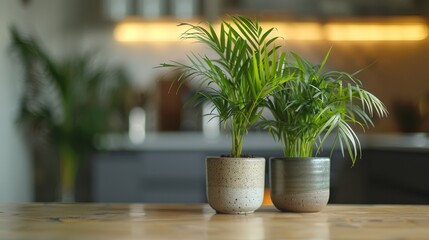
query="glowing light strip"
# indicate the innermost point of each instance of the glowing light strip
(300, 31)
(167, 31)
(128, 32)
(375, 32)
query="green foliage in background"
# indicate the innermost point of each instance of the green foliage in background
(67, 102)
(317, 103)
(246, 68)
(71, 99)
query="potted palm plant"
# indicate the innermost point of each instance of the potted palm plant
(314, 105)
(246, 68)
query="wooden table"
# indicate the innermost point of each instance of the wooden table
(156, 221)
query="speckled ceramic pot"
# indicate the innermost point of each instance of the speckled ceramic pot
(299, 184)
(235, 185)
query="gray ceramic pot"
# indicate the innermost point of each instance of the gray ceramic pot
(299, 184)
(235, 185)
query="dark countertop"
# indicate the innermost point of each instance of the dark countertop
(196, 141)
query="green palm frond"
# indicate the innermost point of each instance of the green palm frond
(247, 68)
(317, 104)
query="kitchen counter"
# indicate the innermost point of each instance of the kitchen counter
(185, 141)
(254, 141)
(141, 174)
(198, 221)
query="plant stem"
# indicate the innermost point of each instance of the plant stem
(237, 145)
(294, 146)
(68, 172)
(237, 132)
(239, 127)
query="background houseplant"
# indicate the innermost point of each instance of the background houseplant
(308, 109)
(246, 69)
(65, 105)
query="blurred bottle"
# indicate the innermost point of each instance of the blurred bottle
(210, 121)
(137, 125)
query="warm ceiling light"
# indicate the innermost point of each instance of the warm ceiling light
(395, 29)
(375, 32)
(129, 31)
(307, 31)
(167, 31)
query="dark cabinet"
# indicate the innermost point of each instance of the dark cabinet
(149, 177)
(382, 176)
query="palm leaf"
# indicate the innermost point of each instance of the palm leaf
(244, 71)
(316, 104)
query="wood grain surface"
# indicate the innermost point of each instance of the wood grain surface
(199, 221)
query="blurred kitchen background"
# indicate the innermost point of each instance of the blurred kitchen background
(129, 140)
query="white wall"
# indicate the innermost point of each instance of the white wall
(15, 171)
(44, 19)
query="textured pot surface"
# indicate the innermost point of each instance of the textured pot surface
(299, 184)
(235, 185)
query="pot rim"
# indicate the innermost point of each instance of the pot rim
(236, 158)
(299, 158)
